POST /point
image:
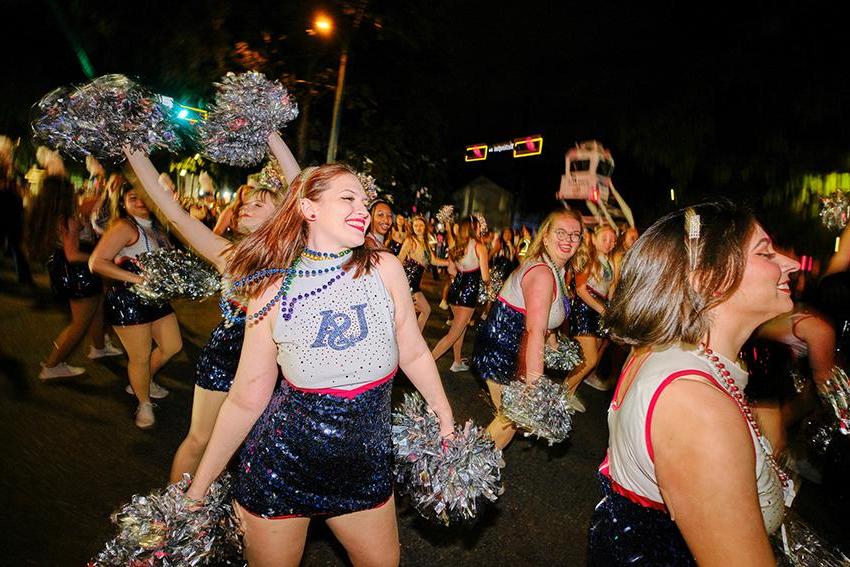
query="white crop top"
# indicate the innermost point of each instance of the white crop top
(149, 239)
(342, 337)
(469, 262)
(511, 292)
(630, 458)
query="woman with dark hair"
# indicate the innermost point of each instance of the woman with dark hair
(689, 477)
(333, 313)
(416, 256)
(137, 322)
(56, 230)
(533, 301)
(468, 255)
(381, 224)
(216, 367)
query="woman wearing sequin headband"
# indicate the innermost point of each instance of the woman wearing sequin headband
(533, 301)
(138, 323)
(469, 256)
(688, 476)
(216, 367)
(416, 256)
(337, 318)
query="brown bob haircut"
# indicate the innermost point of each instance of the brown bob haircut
(659, 301)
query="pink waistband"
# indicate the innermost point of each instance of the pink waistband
(345, 393)
(478, 269)
(509, 304)
(628, 494)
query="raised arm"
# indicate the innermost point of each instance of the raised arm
(840, 261)
(284, 157)
(820, 339)
(415, 358)
(538, 288)
(208, 244)
(248, 397)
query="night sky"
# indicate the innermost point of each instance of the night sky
(736, 100)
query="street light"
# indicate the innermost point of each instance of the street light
(324, 25)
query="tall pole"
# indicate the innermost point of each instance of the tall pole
(340, 84)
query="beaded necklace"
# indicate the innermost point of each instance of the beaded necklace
(724, 377)
(315, 255)
(562, 285)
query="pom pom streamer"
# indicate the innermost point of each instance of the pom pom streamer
(835, 210)
(488, 293)
(482, 224)
(798, 545)
(835, 394)
(164, 528)
(447, 479)
(539, 409)
(271, 177)
(566, 357)
(102, 117)
(446, 215)
(173, 274)
(247, 108)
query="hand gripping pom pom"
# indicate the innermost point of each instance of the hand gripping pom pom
(102, 117)
(446, 479)
(165, 528)
(566, 357)
(539, 409)
(247, 109)
(174, 274)
(446, 215)
(835, 210)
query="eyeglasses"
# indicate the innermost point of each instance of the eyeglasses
(563, 235)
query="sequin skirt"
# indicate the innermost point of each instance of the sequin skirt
(464, 289)
(216, 367)
(624, 533)
(584, 320)
(414, 270)
(315, 454)
(497, 344)
(72, 280)
(122, 307)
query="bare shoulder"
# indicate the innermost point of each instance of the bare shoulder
(388, 263)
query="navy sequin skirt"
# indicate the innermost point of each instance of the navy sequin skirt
(216, 367)
(584, 320)
(497, 344)
(122, 307)
(313, 454)
(464, 289)
(414, 270)
(625, 533)
(72, 280)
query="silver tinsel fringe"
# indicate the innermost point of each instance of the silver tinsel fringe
(835, 394)
(447, 479)
(446, 215)
(819, 435)
(102, 117)
(271, 177)
(567, 357)
(540, 409)
(164, 529)
(835, 210)
(173, 274)
(247, 108)
(797, 545)
(487, 293)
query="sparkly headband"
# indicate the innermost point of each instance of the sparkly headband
(369, 186)
(482, 223)
(692, 229)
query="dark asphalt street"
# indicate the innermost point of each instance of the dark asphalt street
(71, 454)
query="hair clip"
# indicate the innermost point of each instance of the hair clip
(692, 228)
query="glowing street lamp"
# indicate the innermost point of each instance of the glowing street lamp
(323, 24)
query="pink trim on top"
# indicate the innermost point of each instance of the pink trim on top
(511, 305)
(346, 393)
(605, 470)
(647, 429)
(614, 405)
(478, 269)
(554, 284)
(598, 294)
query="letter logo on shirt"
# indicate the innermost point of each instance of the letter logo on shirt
(333, 331)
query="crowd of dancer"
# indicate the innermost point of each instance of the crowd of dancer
(324, 285)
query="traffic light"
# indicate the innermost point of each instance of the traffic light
(477, 152)
(528, 146)
(189, 114)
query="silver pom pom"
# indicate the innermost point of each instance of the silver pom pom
(835, 394)
(102, 117)
(370, 187)
(540, 409)
(247, 108)
(271, 177)
(446, 479)
(164, 528)
(567, 357)
(482, 224)
(488, 293)
(799, 545)
(446, 215)
(819, 436)
(173, 274)
(835, 210)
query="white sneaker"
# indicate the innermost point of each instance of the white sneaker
(61, 370)
(444, 306)
(594, 381)
(144, 416)
(462, 367)
(107, 350)
(157, 392)
(575, 402)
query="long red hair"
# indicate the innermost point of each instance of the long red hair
(282, 238)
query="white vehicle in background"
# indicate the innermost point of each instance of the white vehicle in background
(587, 178)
